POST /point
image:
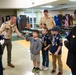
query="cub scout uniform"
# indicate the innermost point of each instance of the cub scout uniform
(45, 42)
(56, 42)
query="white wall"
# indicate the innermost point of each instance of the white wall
(26, 13)
(7, 12)
(38, 16)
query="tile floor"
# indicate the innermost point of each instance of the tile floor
(22, 62)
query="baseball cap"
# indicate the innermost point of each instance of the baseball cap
(56, 28)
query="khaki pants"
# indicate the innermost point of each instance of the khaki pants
(60, 66)
(8, 45)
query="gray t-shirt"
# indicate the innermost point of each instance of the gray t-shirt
(35, 45)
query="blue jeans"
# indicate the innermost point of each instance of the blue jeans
(45, 58)
(1, 68)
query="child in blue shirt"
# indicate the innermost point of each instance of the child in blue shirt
(56, 50)
(45, 49)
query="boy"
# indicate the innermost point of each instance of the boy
(56, 47)
(1, 52)
(35, 47)
(44, 26)
(45, 49)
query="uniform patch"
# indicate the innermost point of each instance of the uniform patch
(56, 44)
(73, 36)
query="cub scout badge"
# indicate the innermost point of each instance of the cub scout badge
(44, 43)
(73, 36)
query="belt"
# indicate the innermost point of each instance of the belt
(7, 39)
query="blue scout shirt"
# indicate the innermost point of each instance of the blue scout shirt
(56, 42)
(45, 41)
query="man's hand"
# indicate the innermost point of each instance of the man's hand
(45, 48)
(56, 53)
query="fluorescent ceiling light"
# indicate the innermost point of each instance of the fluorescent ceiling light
(43, 0)
(41, 10)
(48, 6)
(72, 0)
(52, 0)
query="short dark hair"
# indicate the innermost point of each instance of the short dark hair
(13, 16)
(36, 31)
(45, 10)
(75, 12)
(46, 29)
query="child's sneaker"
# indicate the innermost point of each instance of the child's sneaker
(42, 67)
(37, 70)
(53, 71)
(46, 68)
(59, 73)
(34, 70)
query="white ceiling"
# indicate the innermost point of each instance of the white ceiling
(37, 4)
(59, 5)
(21, 4)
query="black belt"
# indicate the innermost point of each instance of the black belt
(7, 39)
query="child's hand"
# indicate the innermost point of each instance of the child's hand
(24, 38)
(56, 53)
(45, 48)
(1, 42)
(27, 33)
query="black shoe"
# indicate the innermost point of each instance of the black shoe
(3, 68)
